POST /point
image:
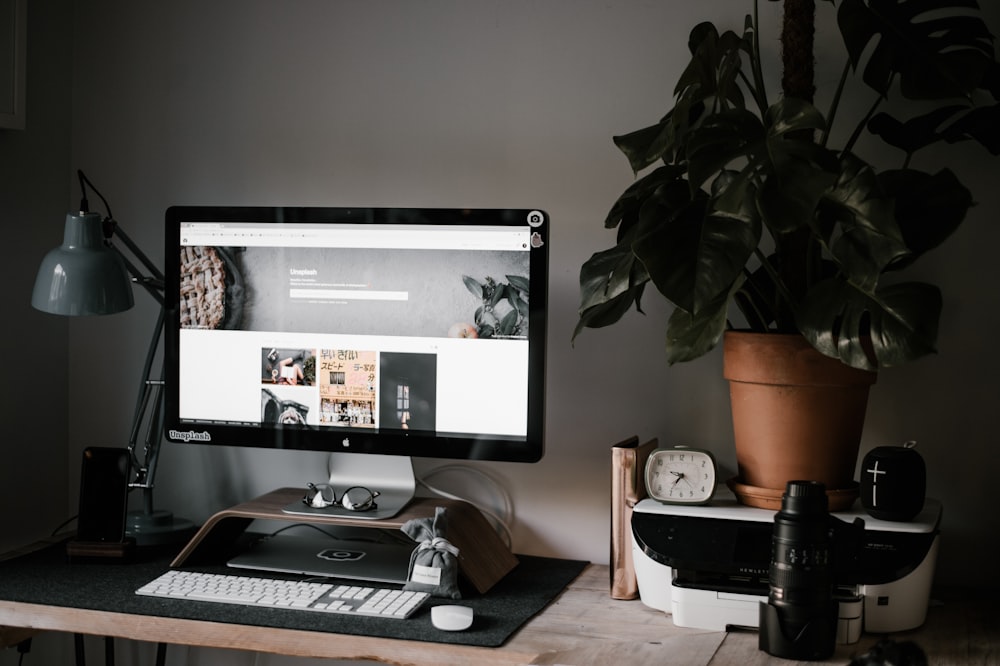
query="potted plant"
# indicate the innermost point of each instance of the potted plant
(748, 213)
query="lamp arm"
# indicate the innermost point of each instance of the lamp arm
(119, 233)
(149, 390)
(153, 285)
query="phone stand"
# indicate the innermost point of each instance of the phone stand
(100, 550)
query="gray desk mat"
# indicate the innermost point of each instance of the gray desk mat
(46, 577)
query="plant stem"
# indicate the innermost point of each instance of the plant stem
(797, 33)
(758, 89)
(748, 304)
(797, 247)
(779, 285)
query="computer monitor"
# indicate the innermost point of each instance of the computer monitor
(378, 334)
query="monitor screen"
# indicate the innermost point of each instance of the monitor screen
(406, 332)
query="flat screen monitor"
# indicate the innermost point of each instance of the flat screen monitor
(380, 333)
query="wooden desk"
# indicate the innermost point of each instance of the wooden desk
(583, 626)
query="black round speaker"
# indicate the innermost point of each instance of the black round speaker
(893, 482)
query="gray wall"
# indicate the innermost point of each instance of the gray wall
(34, 193)
(446, 103)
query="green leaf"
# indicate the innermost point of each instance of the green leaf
(693, 254)
(497, 295)
(609, 273)
(795, 170)
(981, 124)
(474, 286)
(508, 324)
(790, 115)
(667, 243)
(858, 224)
(915, 133)
(714, 68)
(519, 282)
(690, 336)
(519, 304)
(789, 199)
(645, 146)
(611, 281)
(722, 139)
(899, 323)
(937, 49)
(928, 207)
(610, 311)
(628, 204)
(780, 152)
(711, 75)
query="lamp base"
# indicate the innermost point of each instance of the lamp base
(158, 528)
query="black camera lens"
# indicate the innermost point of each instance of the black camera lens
(800, 549)
(799, 619)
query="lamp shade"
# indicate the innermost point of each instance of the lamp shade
(83, 276)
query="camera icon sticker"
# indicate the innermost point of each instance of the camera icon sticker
(536, 218)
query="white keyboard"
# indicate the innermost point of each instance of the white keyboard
(275, 593)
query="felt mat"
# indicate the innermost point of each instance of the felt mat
(46, 577)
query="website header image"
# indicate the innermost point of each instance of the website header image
(365, 291)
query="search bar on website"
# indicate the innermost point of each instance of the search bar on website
(349, 295)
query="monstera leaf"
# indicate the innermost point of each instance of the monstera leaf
(936, 50)
(743, 215)
(898, 323)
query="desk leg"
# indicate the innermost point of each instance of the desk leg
(81, 653)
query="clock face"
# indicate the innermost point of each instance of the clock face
(680, 475)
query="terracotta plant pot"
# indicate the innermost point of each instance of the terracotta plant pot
(797, 415)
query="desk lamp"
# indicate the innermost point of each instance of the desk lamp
(90, 275)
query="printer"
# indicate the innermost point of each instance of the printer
(708, 565)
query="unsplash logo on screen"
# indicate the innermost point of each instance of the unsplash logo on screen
(189, 436)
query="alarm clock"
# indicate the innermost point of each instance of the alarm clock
(893, 482)
(681, 475)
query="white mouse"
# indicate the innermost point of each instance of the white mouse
(451, 618)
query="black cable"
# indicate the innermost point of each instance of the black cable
(23, 648)
(84, 205)
(383, 533)
(62, 525)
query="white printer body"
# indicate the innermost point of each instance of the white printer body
(707, 565)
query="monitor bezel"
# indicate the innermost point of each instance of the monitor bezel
(359, 440)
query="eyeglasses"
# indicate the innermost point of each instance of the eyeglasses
(356, 498)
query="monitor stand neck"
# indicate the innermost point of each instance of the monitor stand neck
(391, 476)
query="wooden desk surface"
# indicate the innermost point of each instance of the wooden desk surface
(583, 626)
